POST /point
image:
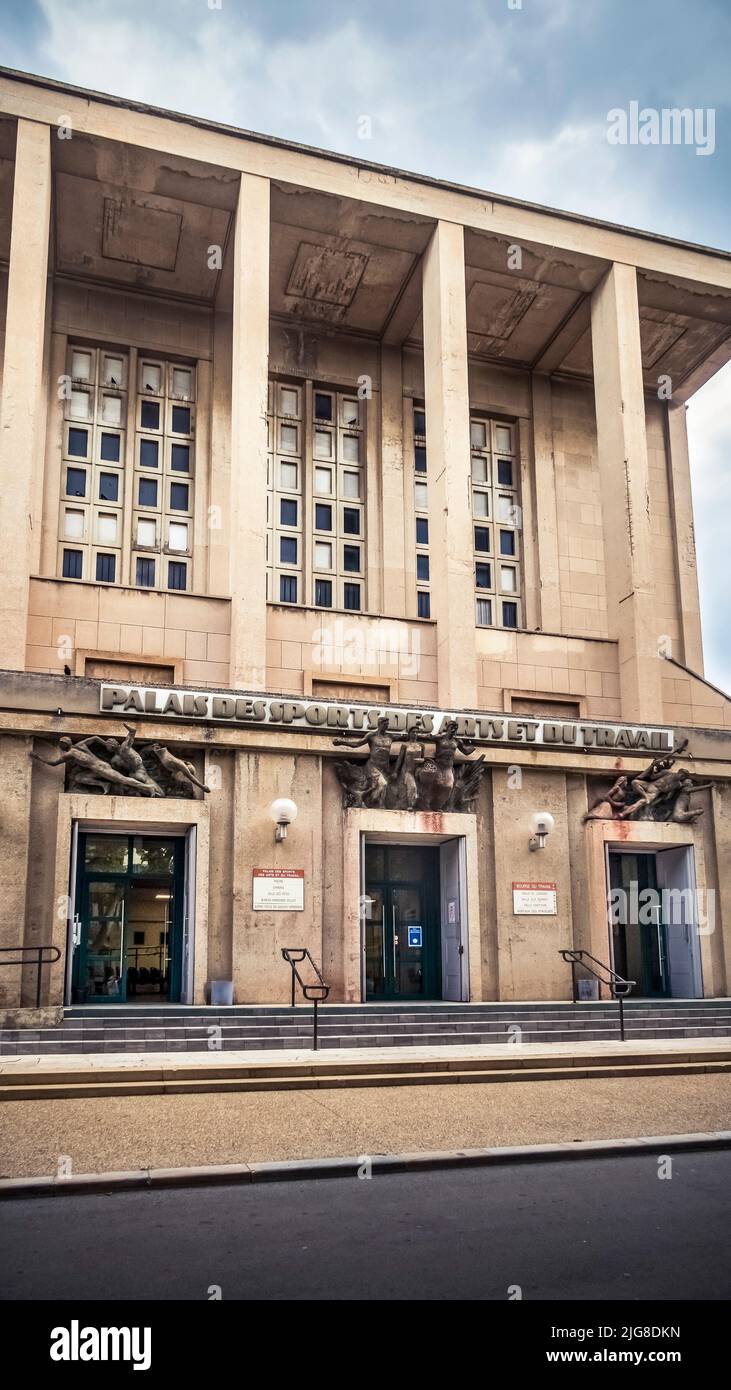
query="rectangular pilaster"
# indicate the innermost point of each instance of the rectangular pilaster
(248, 492)
(393, 465)
(446, 392)
(625, 491)
(545, 497)
(22, 410)
(681, 501)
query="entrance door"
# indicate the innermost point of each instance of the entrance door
(130, 896)
(639, 934)
(402, 922)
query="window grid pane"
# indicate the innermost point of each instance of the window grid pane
(496, 518)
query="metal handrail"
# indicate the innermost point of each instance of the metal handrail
(40, 959)
(314, 994)
(616, 982)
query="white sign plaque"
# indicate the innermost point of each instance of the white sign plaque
(278, 890)
(534, 899)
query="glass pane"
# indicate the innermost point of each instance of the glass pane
(375, 862)
(178, 536)
(323, 444)
(351, 484)
(81, 366)
(182, 382)
(106, 529)
(480, 504)
(479, 468)
(323, 480)
(152, 856)
(420, 497)
(506, 509)
(151, 378)
(375, 941)
(351, 448)
(504, 438)
(104, 942)
(478, 434)
(323, 555)
(113, 371)
(288, 475)
(349, 412)
(146, 532)
(288, 402)
(73, 527)
(408, 941)
(111, 410)
(323, 406)
(149, 922)
(80, 405)
(107, 853)
(507, 579)
(288, 437)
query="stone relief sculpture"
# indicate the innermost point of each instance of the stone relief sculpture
(109, 765)
(656, 793)
(415, 781)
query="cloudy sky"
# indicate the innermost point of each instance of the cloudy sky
(506, 95)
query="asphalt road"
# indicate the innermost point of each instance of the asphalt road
(596, 1229)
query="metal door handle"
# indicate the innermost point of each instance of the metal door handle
(383, 940)
(394, 936)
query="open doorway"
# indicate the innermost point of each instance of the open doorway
(654, 921)
(414, 920)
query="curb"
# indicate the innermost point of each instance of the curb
(298, 1170)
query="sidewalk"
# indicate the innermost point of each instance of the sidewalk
(112, 1133)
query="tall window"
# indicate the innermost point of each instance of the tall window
(92, 470)
(421, 516)
(92, 542)
(162, 503)
(316, 497)
(495, 523)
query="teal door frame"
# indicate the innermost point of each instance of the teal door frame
(428, 888)
(86, 878)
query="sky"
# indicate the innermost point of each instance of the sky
(511, 96)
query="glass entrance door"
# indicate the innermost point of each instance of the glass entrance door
(402, 922)
(130, 943)
(639, 934)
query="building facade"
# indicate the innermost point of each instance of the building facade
(291, 444)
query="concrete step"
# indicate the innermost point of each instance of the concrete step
(331, 1073)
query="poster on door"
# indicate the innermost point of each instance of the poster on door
(278, 890)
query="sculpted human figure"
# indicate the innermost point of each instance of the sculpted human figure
(404, 785)
(182, 775)
(632, 792)
(88, 772)
(378, 764)
(436, 775)
(125, 758)
(682, 813)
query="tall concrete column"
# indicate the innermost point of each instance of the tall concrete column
(681, 502)
(625, 492)
(393, 464)
(546, 523)
(249, 376)
(446, 393)
(22, 410)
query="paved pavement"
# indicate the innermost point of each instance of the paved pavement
(279, 1057)
(113, 1133)
(595, 1229)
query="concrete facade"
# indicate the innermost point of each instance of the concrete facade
(294, 320)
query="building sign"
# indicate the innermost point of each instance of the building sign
(534, 899)
(333, 717)
(278, 890)
(414, 937)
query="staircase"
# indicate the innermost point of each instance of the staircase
(181, 1028)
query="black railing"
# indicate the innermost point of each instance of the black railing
(314, 993)
(617, 983)
(37, 957)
